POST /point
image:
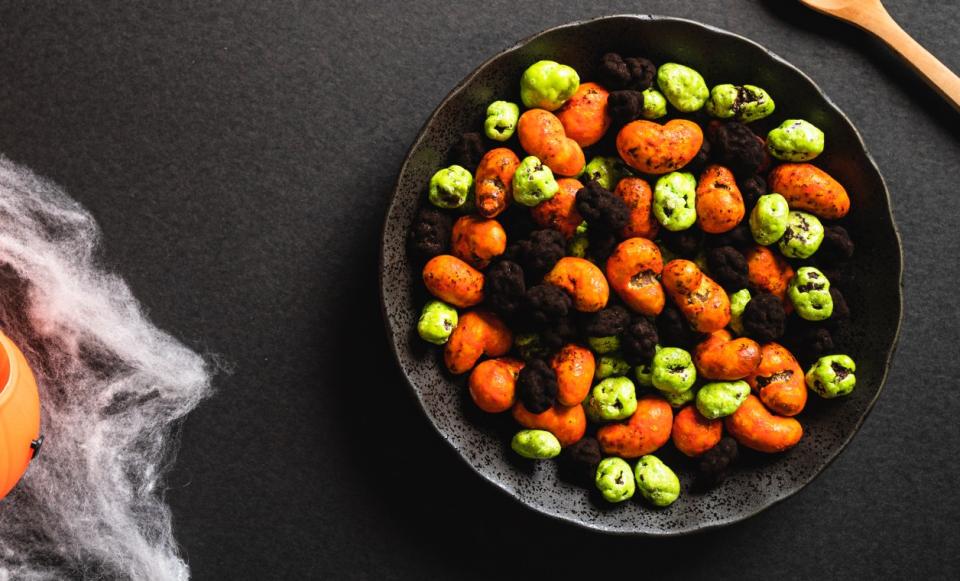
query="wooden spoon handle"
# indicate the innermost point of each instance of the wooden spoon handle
(934, 72)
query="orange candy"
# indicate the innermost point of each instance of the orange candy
(694, 434)
(658, 149)
(584, 116)
(644, 433)
(560, 211)
(541, 134)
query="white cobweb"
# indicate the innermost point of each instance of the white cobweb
(112, 387)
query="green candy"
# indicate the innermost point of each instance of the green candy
(501, 121)
(832, 376)
(678, 400)
(450, 187)
(683, 87)
(809, 291)
(675, 201)
(744, 103)
(533, 182)
(437, 321)
(656, 481)
(614, 398)
(654, 104)
(769, 218)
(535, 444)
(803, 235)
(604, 345)
(610, 366)
(614, 480)
(547, 84)
(738, 302)
(644, 375)
(578, 246)
(722, 398)
(673, 370)
(795, 140)
(530, 346)
(607, 171)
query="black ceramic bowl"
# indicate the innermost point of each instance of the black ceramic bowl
(874, 297)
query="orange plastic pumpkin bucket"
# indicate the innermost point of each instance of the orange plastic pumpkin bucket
(19, 415)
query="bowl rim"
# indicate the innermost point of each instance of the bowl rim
(457, 89)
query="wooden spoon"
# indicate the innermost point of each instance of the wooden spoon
(871, 16)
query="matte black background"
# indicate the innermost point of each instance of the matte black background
(239, 157)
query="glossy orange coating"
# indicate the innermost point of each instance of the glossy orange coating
(722, 357)
(574, 366)
(702, 301)
(584, 116)
(567, 423)
(768, 272)
(779, 381)
(493, 181)
(753, 426)
(541, 134)
(583, 281)
(19, 414)
(643, 433)
(719, 201)
(453, 281)
(477, 240)
(657, 149)
(493, 384)
(807, 187)
(632, 270)
(477, 333)
(694, 434)
(560, 211)
(638, 196)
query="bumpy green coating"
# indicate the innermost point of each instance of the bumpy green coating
(530, 346)
(604, 345)
(832, 376)
(738, 302)
(614, 398)
(768, 219)
(437, 321)
(678, 400)
(578, 246)
(675, 200)
(673, 370)
(809, 291)
(614, 480)
(795, 140)
(607, 171)
(610, 366)
(654, 104)
(644, 375)
(450, 187)
(803, 235)
(656, 481)
(682, 86)
(744, 103)
(722, 398)
(501, 121)
(535, 444)
(533, 182)
(547, 84)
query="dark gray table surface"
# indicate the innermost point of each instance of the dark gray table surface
(239, 157)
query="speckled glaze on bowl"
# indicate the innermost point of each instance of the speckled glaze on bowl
(760, 481)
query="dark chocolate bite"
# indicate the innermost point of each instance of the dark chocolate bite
(836, 248)
(764, 318)
(673, 329)
(468, 151)
(685, 243)
(545, 304)
(728, 267)
(581, 459)
(609, 321)
(537, 386)
(808, 341)
(539, 252)
(739, 237)
(616, 72)
(624, 106)
(639, 343)
(430, 233)
(603, 211)
(504, 288)
(557, 333)
(736, 147)
(699, 161)
(714, 464)
(751, 189)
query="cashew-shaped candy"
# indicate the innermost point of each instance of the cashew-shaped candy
(493, 181)
(583, 281)
(632, 270)
(701, 300)
(720, 356)
(779, 381)
(719, 201)
(477, 333)
(756, 428)
(694, 434)
(658, 149)
(646, 431)
(638, 196)
(807, 187)
(493, 384)
(575, 367)
(542, 135)
(560, 211)
(769, 272)
(567, 423)
(476, 240)
(453, 281)
(584, 116)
